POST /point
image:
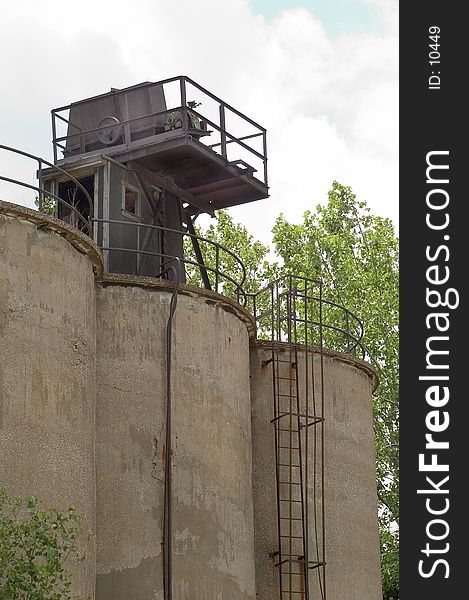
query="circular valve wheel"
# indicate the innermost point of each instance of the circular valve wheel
(110, 132)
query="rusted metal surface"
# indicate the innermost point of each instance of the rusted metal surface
(292, 316)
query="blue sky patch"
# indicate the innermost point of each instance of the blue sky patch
(337, 16)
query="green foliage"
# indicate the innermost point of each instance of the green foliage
(389, 562)
(236, 238)
(48, 205)
(34, 545)
(355, 254)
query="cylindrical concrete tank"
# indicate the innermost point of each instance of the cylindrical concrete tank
(83, 392)
(213, 541)
(47, 369)
(350, 503)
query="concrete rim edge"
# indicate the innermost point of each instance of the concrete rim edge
(85, 245)
(119, 279)
(348, 359)
(77, 239)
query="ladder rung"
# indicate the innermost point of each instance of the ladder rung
(292, 466)
(300, 560)
(295, 414)
(291, 518)
(289, 560)
(287, 430)
(312, 564)
(286, 414)
(315, 421)
(292, 482)
(287, 448)
(292, 537)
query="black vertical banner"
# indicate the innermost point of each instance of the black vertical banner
(434, 233)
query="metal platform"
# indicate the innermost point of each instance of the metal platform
(216, 157)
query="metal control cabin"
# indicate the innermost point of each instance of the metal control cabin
(149, 159)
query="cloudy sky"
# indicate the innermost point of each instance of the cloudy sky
(320, 75)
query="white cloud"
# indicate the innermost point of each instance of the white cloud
(329, 104)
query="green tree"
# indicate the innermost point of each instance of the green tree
(34, 546)
(355, 254)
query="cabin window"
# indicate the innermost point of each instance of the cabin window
(130, 201)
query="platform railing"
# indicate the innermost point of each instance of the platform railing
(213, 274)
(216, 278)
(46, 200)
(234, 142)
(217, 268)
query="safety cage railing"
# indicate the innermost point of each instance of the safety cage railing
(293, 297)
(217, 125)
(290, 313)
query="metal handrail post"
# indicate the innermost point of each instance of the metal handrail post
(222, 130)
(184, 115)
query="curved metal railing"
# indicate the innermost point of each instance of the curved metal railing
(213, 271)
(219, 277)
(45, 195)
(293, 309)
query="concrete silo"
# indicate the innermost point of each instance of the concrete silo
(212, 521)
(208, 462)
(47, 367)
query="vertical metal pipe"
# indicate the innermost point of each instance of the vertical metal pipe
(304, 573)
(306, 427)
(347, 330)
(315, 447)
(184, 115)
(264, 145)
(41, 187)
(54, 136)
(303, 570)
(290, 444)
(322, 447)
(222, 131)
(167, 509)
(275, 384)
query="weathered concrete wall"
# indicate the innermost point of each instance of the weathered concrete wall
(352, 542)
(47, 372)
(213, 546)
(82, 400)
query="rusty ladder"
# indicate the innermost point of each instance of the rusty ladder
(292, 420)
